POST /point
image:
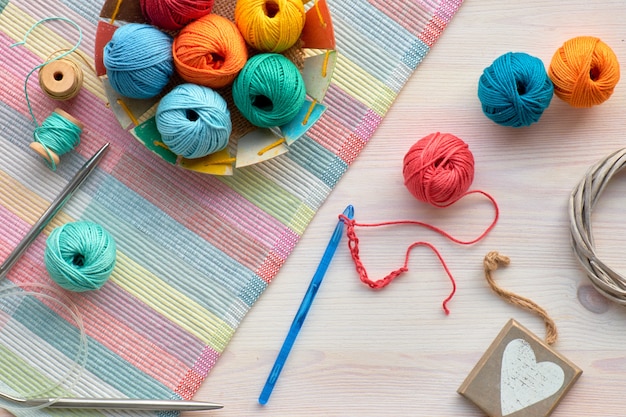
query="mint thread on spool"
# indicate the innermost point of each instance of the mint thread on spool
(57, 135)
(80, 256)
(60, 132)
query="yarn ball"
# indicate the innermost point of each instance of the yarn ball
(584, 71)
(174, 14)
(80, 256)
(269, 91)
(515, 90)
(438, 169)
(270, 26)
(193, 121)
(138, 60)
(210, 51)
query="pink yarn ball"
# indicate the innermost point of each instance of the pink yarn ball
(174, 14)
(438, 169)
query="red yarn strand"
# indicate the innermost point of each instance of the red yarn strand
(353, 245)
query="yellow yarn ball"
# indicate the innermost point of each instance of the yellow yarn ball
(270, 25)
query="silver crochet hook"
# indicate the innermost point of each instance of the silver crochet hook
(52, 210)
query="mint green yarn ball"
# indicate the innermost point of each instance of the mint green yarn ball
(80, 256)
(269, 91)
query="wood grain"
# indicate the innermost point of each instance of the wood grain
(394, 352)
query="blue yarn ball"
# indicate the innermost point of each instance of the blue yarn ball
(515, 90)
(193, 121)
(80, 256)
(138, 60)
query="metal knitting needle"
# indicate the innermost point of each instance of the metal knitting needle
(52, 210)
(119, 404)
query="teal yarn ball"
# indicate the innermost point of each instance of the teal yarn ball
(269, 91)
(80, 256)
(193, 121)
(138, 60)
(515, 90)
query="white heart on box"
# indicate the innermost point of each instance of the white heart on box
(524, 381)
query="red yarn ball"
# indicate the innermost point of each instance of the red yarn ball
(438, 169)
(174, 14)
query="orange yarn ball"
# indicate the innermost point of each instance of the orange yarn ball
(209, 51)
(584, 71)
(270, 25)
(438, 169)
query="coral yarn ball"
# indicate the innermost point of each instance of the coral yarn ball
(270, 26)
(438, 169)
(515, 90)
(585, 71)
(174, 14)
(210, 51)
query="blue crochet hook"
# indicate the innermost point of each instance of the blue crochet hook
(303, 310)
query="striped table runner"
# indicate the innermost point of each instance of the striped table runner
(194, 251)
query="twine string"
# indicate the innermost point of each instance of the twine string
(491, 263)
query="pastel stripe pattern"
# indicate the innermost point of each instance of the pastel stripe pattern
(195, 252)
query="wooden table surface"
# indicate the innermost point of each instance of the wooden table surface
(394, 352)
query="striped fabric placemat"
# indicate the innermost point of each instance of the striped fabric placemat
(194, 251)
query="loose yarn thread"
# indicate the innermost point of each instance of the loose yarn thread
(269, 91)
(515, 90)
(138, 60)
(585, 71)
(193, 121)
(174, 14)
(353, 246)
(210, 51)
(80, 256)
(60, 132)
(270, 26)
(438, 169)
(610, 283)
(491, 262)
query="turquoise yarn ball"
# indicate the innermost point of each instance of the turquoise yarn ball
(515, 90)
(269, 91)
(138, 60)
(193, 121)
(80, 256)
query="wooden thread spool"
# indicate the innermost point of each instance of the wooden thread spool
(46, 152)
(61, 79)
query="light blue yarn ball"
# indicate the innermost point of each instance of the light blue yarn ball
(138, 59)
(193, 121)
(515, 90)
(80, 256)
